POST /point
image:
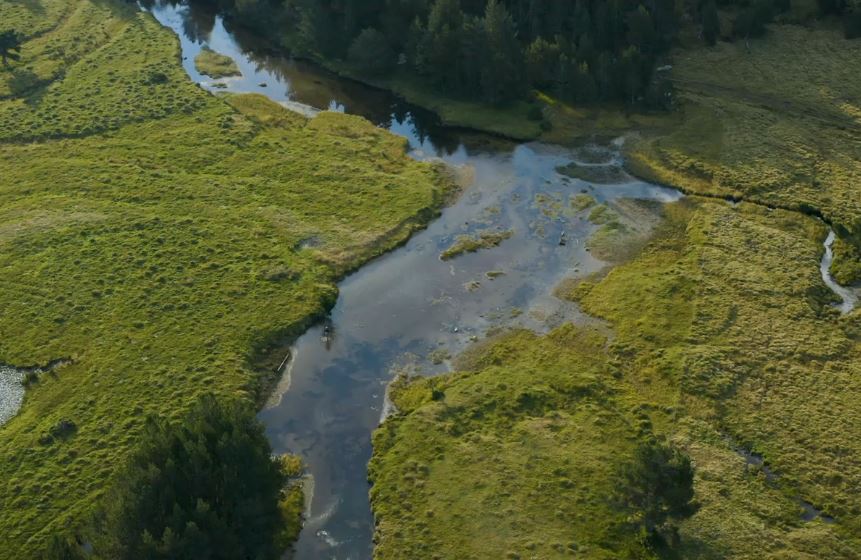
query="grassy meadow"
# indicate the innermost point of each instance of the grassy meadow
(162, 240)
(776, 125)
(722, 340)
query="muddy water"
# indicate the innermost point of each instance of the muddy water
(409, 310)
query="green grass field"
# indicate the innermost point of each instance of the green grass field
(778, 125)
(722, 339)
(515, 457)
(160, 238)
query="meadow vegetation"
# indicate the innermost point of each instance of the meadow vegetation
(519, 455)
(162, 240)
(724, 343)
(776, 124)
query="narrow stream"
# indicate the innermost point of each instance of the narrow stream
(849, 296)
(408, 310)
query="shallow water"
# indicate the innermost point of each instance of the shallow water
(849, 296)
(11, 392)
(409, 310)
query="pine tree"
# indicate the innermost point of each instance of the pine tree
(443, 44)
(371, 52)
(207, 488)
(641, 30)
(542, 60)
(503, 76)
(711, 22)
(658, 489)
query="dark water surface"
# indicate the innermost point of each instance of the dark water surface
(407, 310)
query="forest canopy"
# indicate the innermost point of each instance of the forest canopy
(500, 50)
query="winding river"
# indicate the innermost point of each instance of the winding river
(408, 310)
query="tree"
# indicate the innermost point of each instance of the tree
(752, 20)
(207, 488)
(634, 68)
(711, 23)
(641, 30)
(63, 548)
(442, 48)
(658, 490)
(542, 60)
(316, 33)
(10, 46)
(831, 6)
(371, 52)
(503, 77)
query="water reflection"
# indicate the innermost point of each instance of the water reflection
(293, 81)
(409, 309)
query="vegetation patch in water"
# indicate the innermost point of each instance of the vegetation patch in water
(846, 267)
(473, 243)
(600, 174)
(625, 226)
(215, 65)
(582, 202)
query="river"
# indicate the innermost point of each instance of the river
(408, 310)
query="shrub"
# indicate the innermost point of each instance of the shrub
(658, 489)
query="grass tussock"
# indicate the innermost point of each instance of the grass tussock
(156, 236)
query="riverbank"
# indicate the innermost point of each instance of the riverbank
(774, 124)
(728, 101)
(160, 237)
(724, 338)
(722, 329)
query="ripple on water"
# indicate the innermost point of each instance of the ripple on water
(11, 392)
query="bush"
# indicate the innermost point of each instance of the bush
(371, 52)
(207, 488)
(658, 490)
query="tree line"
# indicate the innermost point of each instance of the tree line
(500, 50)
